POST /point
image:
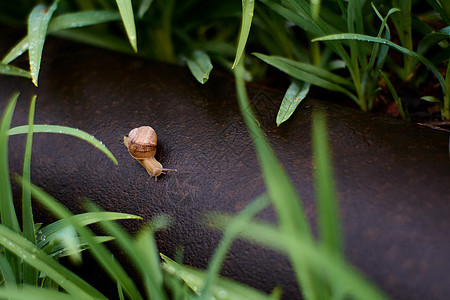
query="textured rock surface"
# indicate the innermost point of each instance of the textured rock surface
(392, 176)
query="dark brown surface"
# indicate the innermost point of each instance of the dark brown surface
(392, 176)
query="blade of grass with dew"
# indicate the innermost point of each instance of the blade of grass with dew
(229, 234)
(295, 93)
(309, 74)
(13, 71)
(30, 275)
(329, 227)
(248, 7)
(100, 252)
(223, 286)
(34, 256)
(367, 38)
(37, 30)
(146, 260)
(200, 65)
(16, 51)
(338, 271)
(126, 11)
(46, 234)
(403, 113)
(35, 293)
(62, 22)
(65, 130)
(280, 189)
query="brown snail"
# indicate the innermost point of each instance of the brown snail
(141, 144)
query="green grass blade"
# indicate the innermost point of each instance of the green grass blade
(367, 38)
(279, 187)
(37, 30)
(309, 74)
(16, 51)
(296, 92)
(444, 11)
(432, 39)
(337, 271)
(34, 256)
(30, 275)
(65, 130)
(46, 234)
(143, 8)
(29, 292)
(297, 19)
(13, 71)
(8, 278)
(100, 252)
(327, 207)
(223, 287)
(8, 214)
(248, 7)
(142, 252)
(147, 250)
(82, 19)
(230, 233)
(200, 65)
(126, 11)
(404, 114)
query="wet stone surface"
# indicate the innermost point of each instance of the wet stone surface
(392, 177)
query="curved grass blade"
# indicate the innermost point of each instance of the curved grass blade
(17, 51)
(247, 16)
(142, 252)
(65, 130)
(35, 293)
(433, 39)
(100, 252)
(194, 278)
(126, 11)
(280, 189)
(230, 233)
(37, 30)
(8, 278)
(7, 212)
(34, 256)
(8, 215)
(200, 65)
(13, 71)
(82, 19)
(337, 271)
(143, 8)
(367, 38)
(403, 113)
(62, 22)
(295, 93)
(327, 205)
(30, 275)
(46, 233)
(310, 74)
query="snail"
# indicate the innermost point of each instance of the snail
(141, 144)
